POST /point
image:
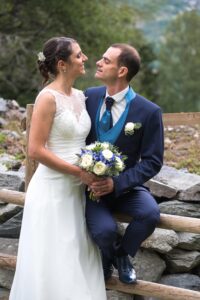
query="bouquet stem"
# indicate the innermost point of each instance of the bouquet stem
(93, 198)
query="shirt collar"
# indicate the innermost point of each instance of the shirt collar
(119, 96)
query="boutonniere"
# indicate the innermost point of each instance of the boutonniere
(131, 127)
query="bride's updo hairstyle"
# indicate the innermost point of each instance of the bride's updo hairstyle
(54, 49)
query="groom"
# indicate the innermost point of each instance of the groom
(134, 124)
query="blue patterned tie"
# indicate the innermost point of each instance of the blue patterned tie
(106, 121)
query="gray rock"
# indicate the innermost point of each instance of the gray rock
(197, 271)
(189, 241)
(159, 189)
(6, 278)
(4, 294)
(175, 207)
(114, 295)
(11, 180)
(3, 168)
(171, 183)
(8, 246)
(3, 122)
(162, 240)
(186, 281)
(3, 106)
(11, 228)
(148, 265)
(179, 261)
(7, 211)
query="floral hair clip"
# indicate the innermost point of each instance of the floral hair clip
(41, 56)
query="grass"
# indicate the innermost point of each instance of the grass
(2, 138)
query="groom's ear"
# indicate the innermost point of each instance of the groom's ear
(122, 72)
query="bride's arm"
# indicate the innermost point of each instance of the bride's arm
(42, 119)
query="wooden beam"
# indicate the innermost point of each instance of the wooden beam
(31, 165)
(146, 288)
(7, 261)
(177, 223)
(14, 197)
(189, 118)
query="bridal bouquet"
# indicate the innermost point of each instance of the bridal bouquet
(101, 159)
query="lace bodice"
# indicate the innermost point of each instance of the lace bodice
(71, 124)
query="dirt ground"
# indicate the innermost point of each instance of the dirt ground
(182, 148)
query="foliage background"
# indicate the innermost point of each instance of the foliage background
(164, 32)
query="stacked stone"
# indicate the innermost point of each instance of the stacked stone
(166, 257)
(12, 178)
(169, 257)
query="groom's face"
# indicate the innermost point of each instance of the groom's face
(107, 66)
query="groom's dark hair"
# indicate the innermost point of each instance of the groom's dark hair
(130, 58)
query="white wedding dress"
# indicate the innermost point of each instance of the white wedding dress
(56, 258)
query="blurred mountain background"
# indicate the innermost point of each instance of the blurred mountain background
(165, 32)
(159, 13)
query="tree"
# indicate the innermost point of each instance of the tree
(179, 71)
(25, 25)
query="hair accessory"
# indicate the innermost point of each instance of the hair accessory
(41, 56)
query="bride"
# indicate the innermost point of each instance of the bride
(56, 258)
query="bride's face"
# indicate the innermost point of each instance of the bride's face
(76, 62)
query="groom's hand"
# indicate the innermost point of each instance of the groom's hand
(102, 188)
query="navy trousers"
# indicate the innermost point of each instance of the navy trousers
(139, 204)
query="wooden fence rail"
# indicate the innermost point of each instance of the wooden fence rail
(173, 222)
(189, 118)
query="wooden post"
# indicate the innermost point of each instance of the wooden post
(189, 118)
(31, 164)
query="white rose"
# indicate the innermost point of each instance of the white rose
(86, 161)
(119, 164)
(105, 145)
(107, 154)
(90, 147)
(130, 126)
(99, 168)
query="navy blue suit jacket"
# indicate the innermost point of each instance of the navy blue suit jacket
(144, 148)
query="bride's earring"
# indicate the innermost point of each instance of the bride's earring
(64, 71)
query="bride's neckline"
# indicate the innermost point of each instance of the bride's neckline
(60, 92)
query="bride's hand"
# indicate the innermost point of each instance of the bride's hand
(88, 178)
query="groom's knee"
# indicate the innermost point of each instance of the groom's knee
(105, 236)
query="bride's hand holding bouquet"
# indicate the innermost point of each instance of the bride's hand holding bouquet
(103, 160)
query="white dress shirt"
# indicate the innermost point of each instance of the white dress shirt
(118, 106)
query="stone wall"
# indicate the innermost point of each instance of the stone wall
(166, 257)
